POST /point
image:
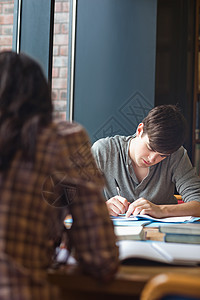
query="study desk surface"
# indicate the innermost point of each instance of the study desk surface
(128, 282)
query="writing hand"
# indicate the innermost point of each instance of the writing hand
(144, 207)
(117, 205)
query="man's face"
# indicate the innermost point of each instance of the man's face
(141, 153)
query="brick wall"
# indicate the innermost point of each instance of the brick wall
(6, 24)
(60, 48)
(60, 57)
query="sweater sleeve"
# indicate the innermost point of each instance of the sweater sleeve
(184, 176)
(100, 152)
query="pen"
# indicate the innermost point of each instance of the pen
(117, 187)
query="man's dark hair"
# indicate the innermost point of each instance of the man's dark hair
(25, 106)
(166, 128)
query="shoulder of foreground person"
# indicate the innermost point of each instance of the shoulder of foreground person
(68, 128)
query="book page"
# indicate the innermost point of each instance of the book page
(139, 249)
(169, 253)
(147, 217)
(186, 254)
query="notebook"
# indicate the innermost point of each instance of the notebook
(167, 253)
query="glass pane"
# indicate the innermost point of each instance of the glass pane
(60, 58)
(197, 158)
(6, 24)
(197, 130)
(198, 76)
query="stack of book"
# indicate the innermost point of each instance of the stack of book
(188, 233)
(129, 233)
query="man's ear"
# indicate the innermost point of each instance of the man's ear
(139, 131)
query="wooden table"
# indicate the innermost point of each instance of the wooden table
(128, 282)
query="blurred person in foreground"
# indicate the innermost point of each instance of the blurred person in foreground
(46, 171)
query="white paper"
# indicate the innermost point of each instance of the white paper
(169, 219)
(169, 253)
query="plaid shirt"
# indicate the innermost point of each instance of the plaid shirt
(63, 177)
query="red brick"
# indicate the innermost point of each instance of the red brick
(58, 83)
(60, 105)
(7, 30)
(5, 48)
(55, 72)
(66, 6)
(63, 50)
(64, 28)
(60, 61)
(60, 115)
(5, 40)
(63, 72)
(55, 94)
(6, 19)
(61, 17)
(57, 28)
(63, 95)
(8, 8)
(60, 39)
(58, 6)
(56, 50)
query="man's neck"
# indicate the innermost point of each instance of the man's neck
(140, 173)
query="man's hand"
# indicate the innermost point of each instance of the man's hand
(144, 207)
(117, 205)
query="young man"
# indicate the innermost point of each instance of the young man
(146, 168)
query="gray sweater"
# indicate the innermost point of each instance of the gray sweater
(113, 160)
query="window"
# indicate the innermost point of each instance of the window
(60, 58)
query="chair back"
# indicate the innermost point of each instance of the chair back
(170, 286)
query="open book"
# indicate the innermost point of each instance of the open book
(168, 253)
(146, 218)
